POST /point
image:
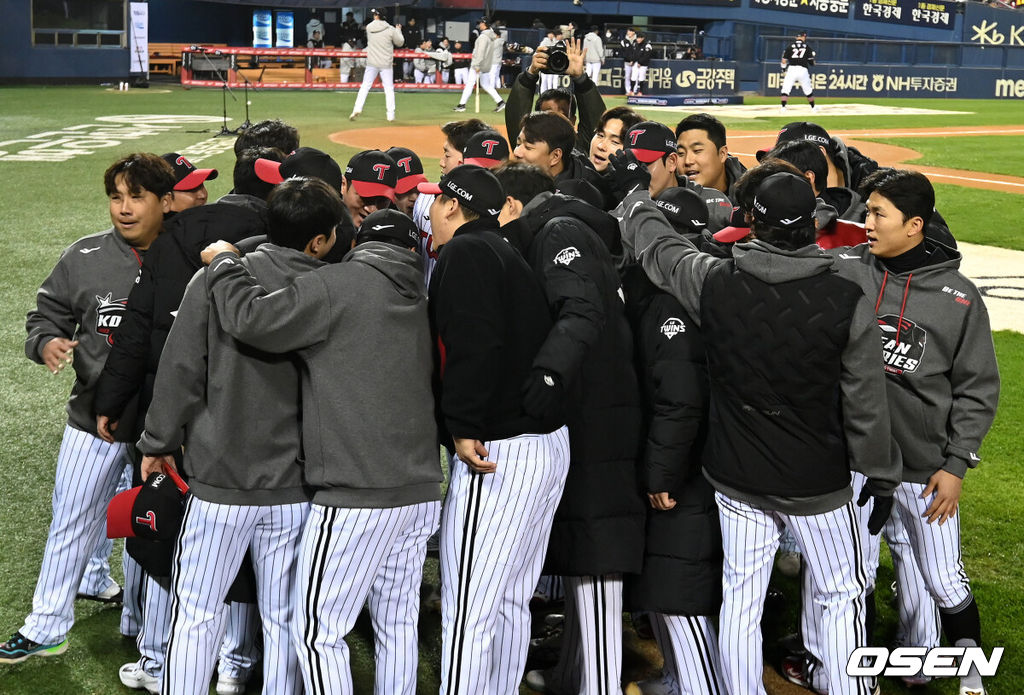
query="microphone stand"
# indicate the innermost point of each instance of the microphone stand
(224, 91)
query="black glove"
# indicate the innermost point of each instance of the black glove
(881, 508)
(543, 395)
(628, 173)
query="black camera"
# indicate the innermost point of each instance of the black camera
(558, 59)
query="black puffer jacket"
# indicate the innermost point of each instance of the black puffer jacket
(599, 524)
(682, 572)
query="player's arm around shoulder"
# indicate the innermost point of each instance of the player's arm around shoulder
(671, 262)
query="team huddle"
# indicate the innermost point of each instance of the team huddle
(644, 365)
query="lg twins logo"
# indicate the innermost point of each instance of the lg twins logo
(635, 134)
(673, 327)
(567, 256)
(903, 344)
(405, 163)
(182, 162)
(109, 313)
(489, 146)
(381, 169)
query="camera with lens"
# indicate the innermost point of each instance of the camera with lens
(558, 59)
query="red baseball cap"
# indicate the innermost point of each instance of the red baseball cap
(485, 149)
(373, 174)
(186, 176)
(650, 141)
(410, 169)
(152, 510)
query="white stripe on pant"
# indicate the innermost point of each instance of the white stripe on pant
(348, 557)
(494, 533)
(387, 80)
(208, 554)
(689, 645)
(88, 472)
(831, 546)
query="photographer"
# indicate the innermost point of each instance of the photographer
(589, 103)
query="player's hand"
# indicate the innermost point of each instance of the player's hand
(473, 453)
(105, 427)
(543, 395)
(574, 51)
(539, 61)
(628, 172)
(947, 488)
(157, 464)
(881, 508)
(661, 501)
(216, 248)
(58, 353)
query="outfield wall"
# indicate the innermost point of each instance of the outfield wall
(862, 81)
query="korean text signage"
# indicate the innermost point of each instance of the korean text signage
(918, 13)
(824, 8)
(904, 81)
(676, 77)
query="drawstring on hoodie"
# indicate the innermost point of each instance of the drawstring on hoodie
(903, 306)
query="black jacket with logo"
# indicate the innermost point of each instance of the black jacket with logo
(599, 523)
(488, 318)
(682, 571)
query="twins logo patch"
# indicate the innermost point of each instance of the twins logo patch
(109, 313)
(567, 256)
(903, 344)
(673, 327)
(148, 520)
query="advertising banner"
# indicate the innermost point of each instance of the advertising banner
(138, 36)
(822, 8)
(903, 81)
(694, 77)
(916, 13)
(285, 29)
(261, 20)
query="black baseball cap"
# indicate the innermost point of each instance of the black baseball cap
(473, 186)
(799, 130)
(784, 200)
(410, 169)
(186, 176)
(486, 148)
(684, 209)
(650, 141)
(152, 510)
(373, 174)
(305, 161)
(389, 225)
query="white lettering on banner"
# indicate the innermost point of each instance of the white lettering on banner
(1010, 88)
(940, 662)
(85, 139)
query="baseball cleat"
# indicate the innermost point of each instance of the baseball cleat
(794, 670)
(133, 676)
(112, 594)
(971, 691)
(230, 686)
(460, 108)
(500, 107)
(538, 680)
(18, 648)
(354, 115)
(788, 563)
(656, 686)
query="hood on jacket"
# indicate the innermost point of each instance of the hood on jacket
(774, 266)
(377, 26)
(403, 268)
(279, 261)
(547, 206)
(824, 214)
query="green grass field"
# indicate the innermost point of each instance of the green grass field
(46, 205)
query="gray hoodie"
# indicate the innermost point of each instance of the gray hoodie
(674, 265)
(593, 48)
(84, 299)
(381, 41)
(943, 379)
(361, 327)
(235, 409)
(484, 51)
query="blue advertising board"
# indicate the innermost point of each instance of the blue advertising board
(906, 81)
(261, 21)
(704, 77)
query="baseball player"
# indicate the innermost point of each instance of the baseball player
(247, 487)
(941, 371)
(642, 54)
(593, 54)
(627, 50)
(381, 41)
(189, 182)
(374, 469)
(456, 136)
(787, 436)
(480, 67)
(489, 318)
(548, 80)
(609, 134)
(796, 61)
(369, 184)
(498, 47)
(409, 173)
(460, 66)
(77, 309)
(704, 154)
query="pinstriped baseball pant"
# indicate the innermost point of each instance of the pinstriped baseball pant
(88, 472)
(831, 545)
(207, 556)
(689, 644)
(494, 533)
(348, 557)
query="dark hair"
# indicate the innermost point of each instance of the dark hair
(705, 122)
(628, 116)
(459, 132)
(910, 191)
(746, 185)
(560, 95)
(244, 176)
(805, 156)
(523, 181)
(467, 213)
(785, 238)
(269, 133)
(553, 129)
(142, 171)
(300, 209)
